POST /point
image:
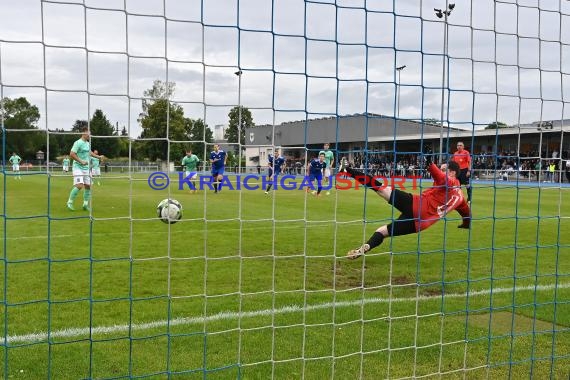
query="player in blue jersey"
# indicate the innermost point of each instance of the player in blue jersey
(315, 170)
(275, 165)
(218, 160)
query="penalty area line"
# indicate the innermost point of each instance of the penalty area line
(230, 315)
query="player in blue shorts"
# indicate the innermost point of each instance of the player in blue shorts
(274, 164)
(315, 170)
(218, 160)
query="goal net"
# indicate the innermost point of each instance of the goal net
(253, 281)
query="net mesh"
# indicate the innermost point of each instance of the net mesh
(256, 285)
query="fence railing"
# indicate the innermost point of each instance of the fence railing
(558, 176)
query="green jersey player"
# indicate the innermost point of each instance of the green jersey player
(96, 167)
(329, 160)
(15, 161)
(81, 154)
(190, 164)
(65, 164)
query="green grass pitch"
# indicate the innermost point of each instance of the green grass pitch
(256, 286)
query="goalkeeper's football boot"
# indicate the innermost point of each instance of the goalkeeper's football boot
(356, 253)
(70, 206)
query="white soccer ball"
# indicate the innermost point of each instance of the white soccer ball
(169, 211)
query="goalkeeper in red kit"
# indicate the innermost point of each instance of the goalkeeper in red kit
(418, 212)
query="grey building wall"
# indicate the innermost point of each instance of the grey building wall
(356, 129)
(350, 129)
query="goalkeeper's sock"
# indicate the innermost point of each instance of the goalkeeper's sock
(73, 194)
(215, 187)
(375, 240)
(268, 188)
(364, 179)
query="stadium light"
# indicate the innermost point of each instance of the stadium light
(239, 73)
(398, 88)
(440, 13)
(445, 13)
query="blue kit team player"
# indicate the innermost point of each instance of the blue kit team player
(218, 160)
(315, 169)
(275, 164)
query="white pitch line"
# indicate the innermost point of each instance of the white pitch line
(230, 315)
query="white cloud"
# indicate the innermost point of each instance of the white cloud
(106, 31)
(282, 69)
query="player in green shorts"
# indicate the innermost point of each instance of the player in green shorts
(81, 155)
(190, 164)
(329, 160)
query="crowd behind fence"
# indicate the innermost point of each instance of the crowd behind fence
(505, 166)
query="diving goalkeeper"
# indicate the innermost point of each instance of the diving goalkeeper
(418, 212)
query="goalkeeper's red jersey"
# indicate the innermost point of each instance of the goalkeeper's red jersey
(434, 203)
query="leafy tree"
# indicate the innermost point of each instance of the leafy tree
(234, 124)
(496, 125)
(63, 140)
(159, 116)
(195, 130)
(19, 113)
(159, 90)
(78, 126)
(124, 144)
(232, 160)
(58, 144)
(100, 126)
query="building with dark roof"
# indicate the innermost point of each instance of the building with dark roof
(354, 134)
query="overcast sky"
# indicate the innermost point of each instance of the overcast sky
(509, 60)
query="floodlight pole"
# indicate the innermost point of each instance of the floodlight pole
(238, 73)
(445, 14)
(399, 70)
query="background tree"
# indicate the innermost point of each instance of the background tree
(60, 143)
(100, 126)
(496, 125)
(61, 140)
(159, 114)
(233, 160)
(234, 128)
(195, 130)
(19, 113)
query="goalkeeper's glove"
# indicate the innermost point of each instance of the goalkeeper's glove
(428, 156)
